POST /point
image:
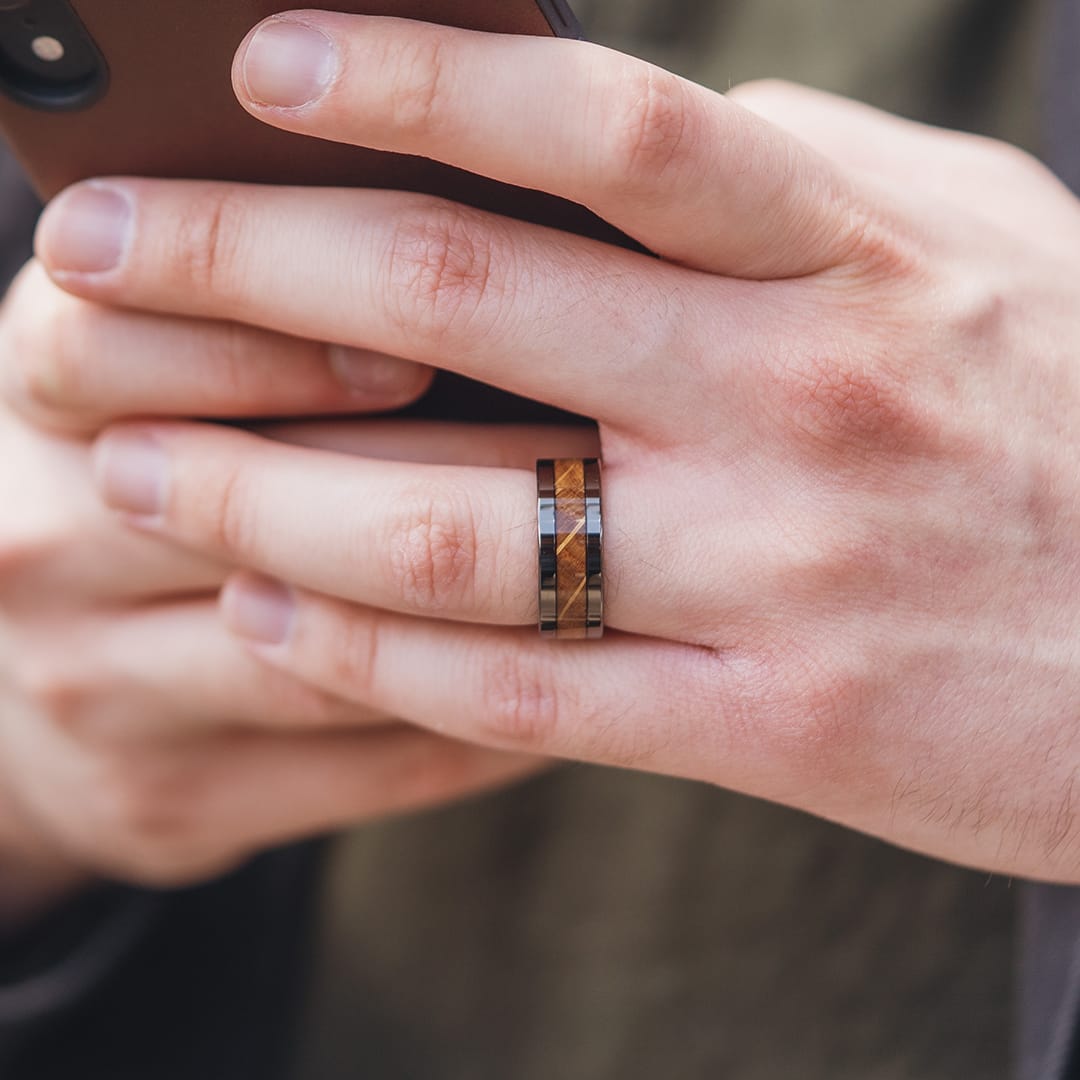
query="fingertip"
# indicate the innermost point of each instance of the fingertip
(259, 610)
(379, 381)
(285, 62)
(241, 90)
(131, 472)
(85, 232)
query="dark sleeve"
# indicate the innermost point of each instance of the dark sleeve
(1048, 984)
(55, 963)
(1061, 90)
(199, 984)
(19, 210)
(1048, 1042)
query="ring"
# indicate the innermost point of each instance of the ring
(571, 535)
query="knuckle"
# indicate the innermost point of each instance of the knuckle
(419, 74)
(828, 564)
(755, 94)
(988, 317)
(233, 350)
(432, 550)
(826, 703)
(520, 703)
(648, 127)
(1025, 164)
(440, 272)
(207, 242)
(1007, 160)
(227, 511)
(818, 719)
(849, 405)
(355, 655)
(881, 245)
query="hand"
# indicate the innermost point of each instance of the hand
(138, 740)
(840, 420)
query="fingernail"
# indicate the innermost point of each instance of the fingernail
(372, 375)
(288, 64)
(258, 609)
(132, 473)
(86, 230)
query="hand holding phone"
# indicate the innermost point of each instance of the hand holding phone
(144, 90)
(119, 640)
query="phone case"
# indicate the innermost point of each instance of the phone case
(168, 110)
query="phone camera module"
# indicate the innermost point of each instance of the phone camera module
(47, 58)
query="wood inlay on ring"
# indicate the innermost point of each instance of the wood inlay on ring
(570, 547)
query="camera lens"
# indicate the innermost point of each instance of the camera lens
(47, 59)
(48, 49)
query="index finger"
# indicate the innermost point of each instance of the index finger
(693, 176)
(559, 318)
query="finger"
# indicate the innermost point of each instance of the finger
(501, 446)
(170, 815)
(77, 365)
(689, 174)
(595, 329)
(624, 700)
(60, 547)
(454, 540)
(329, 781)
(164, 672)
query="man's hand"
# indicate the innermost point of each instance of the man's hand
(840, 421)
(138, 740)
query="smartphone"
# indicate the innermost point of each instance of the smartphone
(142, 87)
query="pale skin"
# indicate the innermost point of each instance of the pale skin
(840, 422)
(139, 742)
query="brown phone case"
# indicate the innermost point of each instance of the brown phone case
(168, 110)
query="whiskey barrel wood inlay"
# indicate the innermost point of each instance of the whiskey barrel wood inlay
(571, 549)
(570, 531)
